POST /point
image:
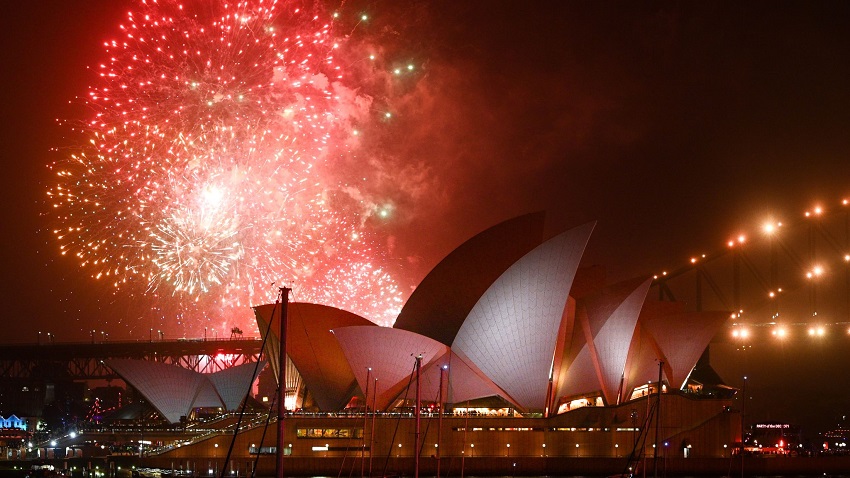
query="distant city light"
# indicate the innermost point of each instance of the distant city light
(816, 271)
(740, 333)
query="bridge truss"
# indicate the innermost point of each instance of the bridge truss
(785, 274)
(86, 361)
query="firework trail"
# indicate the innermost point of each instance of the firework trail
(203, 179)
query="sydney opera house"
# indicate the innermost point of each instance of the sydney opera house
(526, 354)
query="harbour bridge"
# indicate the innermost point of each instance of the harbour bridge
(85, 360)
(786, 286)
(780, 276)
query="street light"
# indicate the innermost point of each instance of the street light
(215, 461)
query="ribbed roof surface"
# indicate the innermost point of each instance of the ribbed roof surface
(645, 353)
(511, 332)
(604, 325)
(172, 390)
(621, 339)
(462, 381)
(175, 391)
(580, 377)
(389, 353)
(682, 338)
(444, 299)
(612, 333)
(313, 349)
(642, 364)
(232, 384)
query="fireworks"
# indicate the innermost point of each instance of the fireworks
(204, 177)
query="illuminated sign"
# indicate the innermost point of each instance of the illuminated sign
(773, 425)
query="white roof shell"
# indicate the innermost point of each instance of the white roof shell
(175, 391)
(511, 332)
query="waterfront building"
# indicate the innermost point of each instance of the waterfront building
(522, 352)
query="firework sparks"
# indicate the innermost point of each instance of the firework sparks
(201, 181)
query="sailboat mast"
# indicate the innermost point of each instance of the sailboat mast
(281, 389)
(365, 422)
(657, 420)
(374, 411)
(440, 417)
(417, 414)
(465, 429)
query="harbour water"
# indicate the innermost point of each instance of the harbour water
(822, 466)
(556, 467)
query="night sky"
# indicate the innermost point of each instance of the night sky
(673, 125)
